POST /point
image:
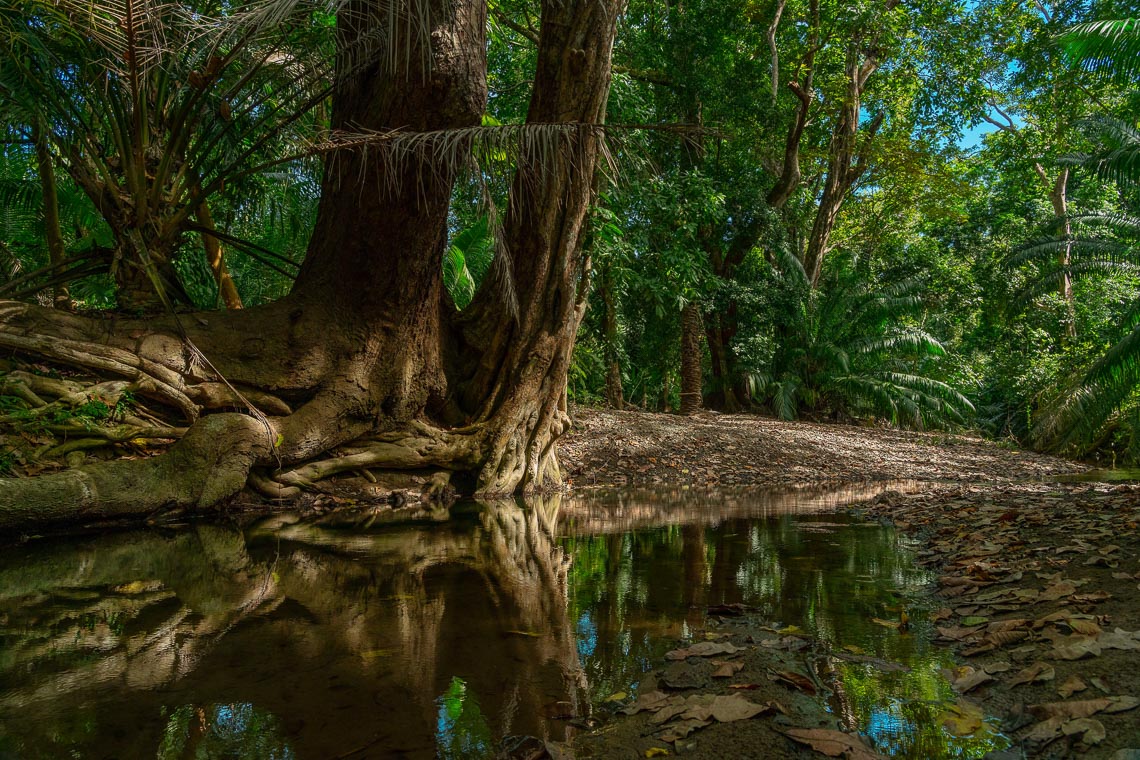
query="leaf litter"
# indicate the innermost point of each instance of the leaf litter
(1043, 575)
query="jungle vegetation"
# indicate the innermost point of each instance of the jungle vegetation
(282, 240)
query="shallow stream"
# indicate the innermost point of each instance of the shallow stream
(437, 638)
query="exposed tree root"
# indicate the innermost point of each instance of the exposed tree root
(279, 457)
(50, 417)
(208, 465)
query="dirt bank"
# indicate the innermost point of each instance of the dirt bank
(611, 448)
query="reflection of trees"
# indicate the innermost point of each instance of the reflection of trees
(347, 638)
(832, 577)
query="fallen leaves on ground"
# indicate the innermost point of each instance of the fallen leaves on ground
(965, 678)
(1035, 673)
(1042, 575)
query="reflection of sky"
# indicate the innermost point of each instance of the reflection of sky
(461, 731)
(237, 729)
(884, 724)
(587, 637)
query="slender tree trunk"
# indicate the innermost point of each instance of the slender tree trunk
(1058, 190)
(61, 297)
(789, 176)
(215, 258)
(615, 396)
(847, 162)
(691, 372)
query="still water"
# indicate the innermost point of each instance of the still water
(437, 638)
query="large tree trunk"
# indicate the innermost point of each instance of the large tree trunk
(366, 353)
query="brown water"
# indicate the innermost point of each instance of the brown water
(437, 639)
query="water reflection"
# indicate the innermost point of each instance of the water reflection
(346, 638)
(631, 591)
(437, 639)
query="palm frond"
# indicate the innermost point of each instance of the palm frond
(1118, 159)
(1110, 46)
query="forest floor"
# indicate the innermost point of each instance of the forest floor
(1037, 588)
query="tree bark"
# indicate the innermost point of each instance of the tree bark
(1058, 198)
(789, 170)
(366, 353)
(847, 162)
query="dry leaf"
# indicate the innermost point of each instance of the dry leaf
(1075, 648)
(1071, 686)
(832, 743)
(1058, 591)
(1091, 731)
(668, 711)
(1083, 708)
(962, 719)
(1045, 731)
(965, 678)
(794, 680)
(999, 626)
(1122, 704)
(726, 709)
(681, 730)
(1037, 672)
(1082, 626)
(703, 649)
(649, 701)
(1118, 639)
(957, 633)
(1005, 638)
(726, 669)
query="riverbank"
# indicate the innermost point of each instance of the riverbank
(611, 448)
(1037, 586)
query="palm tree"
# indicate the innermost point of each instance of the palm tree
(843, 349)
(1078, 416)
(152, 108)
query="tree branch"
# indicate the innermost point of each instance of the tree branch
(514, 26)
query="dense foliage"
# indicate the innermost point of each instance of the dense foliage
(925, 214)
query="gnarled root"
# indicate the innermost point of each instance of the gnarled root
(208, 465)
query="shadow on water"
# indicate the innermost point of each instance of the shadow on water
(437, 639)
